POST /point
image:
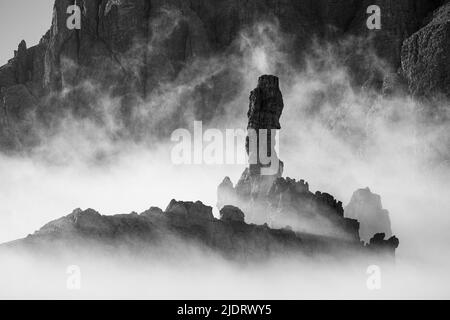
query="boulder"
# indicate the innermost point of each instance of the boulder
(191, 210)
(231, 214)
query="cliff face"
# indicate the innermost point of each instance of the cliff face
(144, 41)
(426, 56)
(131, 47)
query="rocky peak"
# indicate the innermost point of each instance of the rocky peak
(366, 207)
(266, 104)
(379, 244)
(265, 108)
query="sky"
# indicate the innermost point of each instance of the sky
(22, 20)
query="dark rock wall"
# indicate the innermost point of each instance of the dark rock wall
(114, 31)
(130, 47)
(426, 56)
(264, 112)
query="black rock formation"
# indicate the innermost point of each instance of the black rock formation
(426, 56)
(264, 112)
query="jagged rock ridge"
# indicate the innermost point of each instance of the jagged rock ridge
(186, 223)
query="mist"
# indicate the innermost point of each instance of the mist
(337, 137)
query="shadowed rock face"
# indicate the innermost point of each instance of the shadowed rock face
(366, 207)
(129, 48)
(281, 202)
(184, 224)
(266, 104)
(426, 56)
(265, 108)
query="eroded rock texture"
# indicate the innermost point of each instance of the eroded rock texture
(265, 108)
(379, 244)
(366, 207)
(129, 49)
(426, 56)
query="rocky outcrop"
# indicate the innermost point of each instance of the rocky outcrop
(265, 108)
(266, 104)
(269, 198)
(366, 207)
(291, 203)
(426, 56)
(264, 112)
(183, 224)
(379, 245)
(231, 213)
(317, 212)
(193, 211)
